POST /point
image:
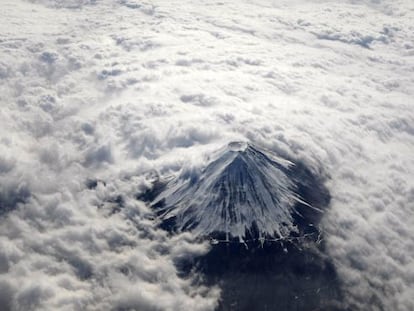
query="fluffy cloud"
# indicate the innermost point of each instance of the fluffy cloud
(108, 91)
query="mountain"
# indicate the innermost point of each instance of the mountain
(244, 192)
(248, 194)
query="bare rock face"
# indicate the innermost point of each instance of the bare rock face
(244, 192)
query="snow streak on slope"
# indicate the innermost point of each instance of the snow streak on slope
(242, 191)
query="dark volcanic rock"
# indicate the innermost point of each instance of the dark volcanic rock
(272, 277)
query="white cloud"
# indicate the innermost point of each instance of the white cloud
(110, 90)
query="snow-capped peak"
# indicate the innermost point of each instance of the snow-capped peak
(242, 191)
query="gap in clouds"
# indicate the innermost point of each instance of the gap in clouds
(293, 272)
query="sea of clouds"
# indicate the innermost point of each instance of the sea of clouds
(98, 96)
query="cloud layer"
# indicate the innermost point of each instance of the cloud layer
(96, 95)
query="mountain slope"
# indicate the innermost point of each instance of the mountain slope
(243, 192)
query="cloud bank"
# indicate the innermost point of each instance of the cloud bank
(96, 95)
